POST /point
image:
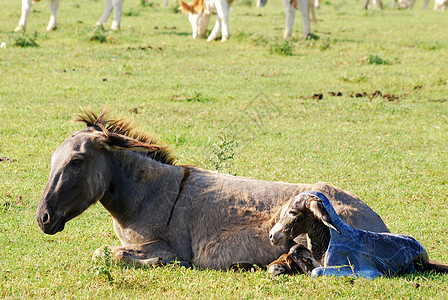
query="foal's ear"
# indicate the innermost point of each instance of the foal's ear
(185, 7)
(319, 211)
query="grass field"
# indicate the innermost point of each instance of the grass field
(258, 93)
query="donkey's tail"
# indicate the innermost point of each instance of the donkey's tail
(435, 266)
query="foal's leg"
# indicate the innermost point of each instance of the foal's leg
(290, 13)
(106, 13)
(149, 254)
(52, 25)
(26, 6)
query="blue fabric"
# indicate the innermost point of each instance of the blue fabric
(360, 253)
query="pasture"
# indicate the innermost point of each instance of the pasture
(363, 106)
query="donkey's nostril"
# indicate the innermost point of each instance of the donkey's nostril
(45, 218)
(270, 236)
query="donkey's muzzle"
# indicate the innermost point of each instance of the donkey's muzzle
(49, 223)
(276, 235)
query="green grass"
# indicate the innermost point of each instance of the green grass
(255, 91)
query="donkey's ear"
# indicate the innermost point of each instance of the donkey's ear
(114, 142)
(185, 7)
(319, 211)
(299, 202)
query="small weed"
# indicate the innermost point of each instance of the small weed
(194, 97)
(325, 44)
(176, 9)
(5, 206)
(432, 46)
(23, 39)
(224, 152)
(98, 35)
(284, 47)
(104, 264)
(146, 3)
(131, 12)
(247, 3)
(374, 60)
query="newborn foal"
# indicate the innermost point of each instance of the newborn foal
(342, 250)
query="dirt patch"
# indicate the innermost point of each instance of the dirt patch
(318, 96)
(6, 159)
(375, 94)
(146, 48)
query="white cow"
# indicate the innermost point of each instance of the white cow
(440, 4)
(116, 5)
(199, 13)
(290, 11)
(373, 3)
(410, 3)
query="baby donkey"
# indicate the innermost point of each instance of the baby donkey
(340, 250)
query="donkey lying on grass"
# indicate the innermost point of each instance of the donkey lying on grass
(116, 5)
(163, 212)
(340, 249)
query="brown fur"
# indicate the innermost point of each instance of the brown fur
(298, 260)
(194, 6)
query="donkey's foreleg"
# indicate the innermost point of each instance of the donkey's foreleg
(52, 25)
(153, 253)
(118, 9)
(290, 13)
(26, 6)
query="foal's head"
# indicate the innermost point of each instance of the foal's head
(302, 214)
(81, 168)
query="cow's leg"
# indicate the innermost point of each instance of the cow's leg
(290, 13)
(216, 30)
(52, 25)
(305, 11)
(149, 254)
(366, 4)
(26, 6)
(222, 9)
(106, 13)
(118, 8)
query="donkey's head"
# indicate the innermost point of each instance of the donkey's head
(198, 16)
(82, 170)
(79, 177)
(302, 213)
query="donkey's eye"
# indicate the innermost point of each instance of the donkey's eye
(293, 213)
(77, 162)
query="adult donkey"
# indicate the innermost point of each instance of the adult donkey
(163, 212)
(116, 5)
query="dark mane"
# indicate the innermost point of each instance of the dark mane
(114, 128)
